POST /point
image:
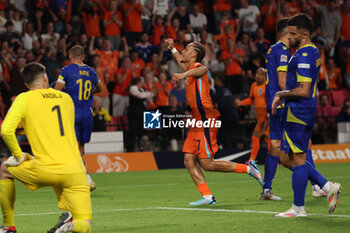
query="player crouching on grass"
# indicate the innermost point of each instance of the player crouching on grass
(47, 116)
(200, 141)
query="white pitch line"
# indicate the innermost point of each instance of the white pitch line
(190, 209)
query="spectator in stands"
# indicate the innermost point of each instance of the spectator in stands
(52, 61)
(235, 24)
(345, 29)
(182, 16)
(132, 21)
(102, 74)
(29, 36)
(344, 115)
(171, 135)
(11, 37)
(233, 59)
(172, 26)
(137, 62)
(208, 46)
(144, 48)
(198, 20)
(218, 64)
(322, 83)
(163, 50)
(250, 17)
(247, 46)
(347, 75)
(89, 11)
(154, 63)
(180, 93)
(17, 85)
(180, 42)
(333, 74)
(18, 23)
(330, 23)
(282, 10)
(325, 125)
(63, 13)
(113, 22)
(50, 36)
(100, 115)
(221, 6)
(293, 7)
(135, 112)
(158, 29)
(224, 102)
(163, 88)
(123, 78)
(269, 18)
(109, 58)
(261, 43)
(224, 37)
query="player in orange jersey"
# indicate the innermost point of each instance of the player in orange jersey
(257, 96)
(201, 140)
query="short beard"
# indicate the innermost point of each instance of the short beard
(295, 44)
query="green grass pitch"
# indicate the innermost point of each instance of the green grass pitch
(157, 201)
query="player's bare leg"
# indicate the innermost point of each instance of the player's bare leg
(198, 178)
(91, 182)
(209, 164)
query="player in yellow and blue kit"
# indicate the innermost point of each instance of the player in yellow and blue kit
(47, 116)
(299, 115)
(277, 59)
(80, 80)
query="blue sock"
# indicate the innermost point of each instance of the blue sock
(299, 183)
(311, 161)
(271, 163)
(315, 176)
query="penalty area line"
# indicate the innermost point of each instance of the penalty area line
(188, 209)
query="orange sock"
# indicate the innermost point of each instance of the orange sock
(204, 189)
(268, 143)
(241, 168)
(255, 148)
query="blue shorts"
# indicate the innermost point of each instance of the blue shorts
(83, 128)
(296, 133)
(276, 125)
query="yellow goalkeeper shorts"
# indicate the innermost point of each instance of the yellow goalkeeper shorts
(72, 190)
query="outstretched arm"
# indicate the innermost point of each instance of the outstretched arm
(177, 55)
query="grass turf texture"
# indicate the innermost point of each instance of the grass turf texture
(129, 202)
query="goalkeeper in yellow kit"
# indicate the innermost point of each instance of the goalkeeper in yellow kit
(47, 116)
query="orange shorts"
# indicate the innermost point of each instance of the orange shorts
(201, 142)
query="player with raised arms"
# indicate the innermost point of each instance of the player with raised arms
(201, 143)
(80, 81)
(299, 114)
(47, 116)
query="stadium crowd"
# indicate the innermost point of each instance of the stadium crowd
(124, 41)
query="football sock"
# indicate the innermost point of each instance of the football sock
(241, 168)
(81, 226)
(299, 183)
(204, 189)
(7, 200)
(255, 148)
(270, 170)
(311, 161)
(315, 176)
(327, 187)
(268, 143)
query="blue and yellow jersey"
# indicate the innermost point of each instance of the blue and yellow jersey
(277, 59)
(47, 116)
(304, 66)
(79, 81)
